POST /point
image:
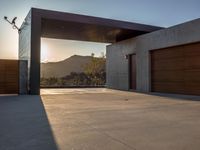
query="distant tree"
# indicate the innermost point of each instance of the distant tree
(95, 70)
(52, 81)
(92, 54)
(61, 82)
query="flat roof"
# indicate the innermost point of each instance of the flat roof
(62, 25)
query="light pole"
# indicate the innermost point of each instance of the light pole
(12, 23)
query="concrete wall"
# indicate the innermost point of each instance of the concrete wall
(23, 77)
(117, 65)
(25, 52)
(35, 52)
(29, 50)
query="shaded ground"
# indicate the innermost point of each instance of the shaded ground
(99, 119)
(24, 124)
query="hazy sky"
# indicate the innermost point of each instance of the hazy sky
(154, 12)
(54, 50)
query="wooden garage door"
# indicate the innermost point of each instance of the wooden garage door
(9, 77)
(176, 70)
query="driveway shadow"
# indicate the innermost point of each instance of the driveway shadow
(24, 124)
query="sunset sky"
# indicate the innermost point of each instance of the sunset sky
(163, 13)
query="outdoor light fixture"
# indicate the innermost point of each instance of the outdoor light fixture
(126, 56)
(12, 23)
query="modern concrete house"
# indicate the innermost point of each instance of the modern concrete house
(140, 57)
(167, 60)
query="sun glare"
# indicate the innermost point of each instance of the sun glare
(44, 53)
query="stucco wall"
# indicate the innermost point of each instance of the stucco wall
(117, 66)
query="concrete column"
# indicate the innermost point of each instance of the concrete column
(23, 77)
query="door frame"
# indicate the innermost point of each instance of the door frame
(130, 72)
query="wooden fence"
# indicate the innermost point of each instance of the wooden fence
(9, 76)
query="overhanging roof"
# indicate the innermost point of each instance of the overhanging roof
(63, 25)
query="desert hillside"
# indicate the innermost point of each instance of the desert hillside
(74, 63)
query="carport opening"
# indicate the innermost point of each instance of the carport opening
(72, 64)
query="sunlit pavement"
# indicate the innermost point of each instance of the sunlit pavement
(50, 91)
(99, 119)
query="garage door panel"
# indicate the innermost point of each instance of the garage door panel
(192, 76)
(176, 75)
(168, 76)
(192, 50)
(168, 53)
(2, 91)
(2, 68)
(176, 70)
(168, 64)
(2, 79)
(192, 88)
(192, 62)
(168, 87)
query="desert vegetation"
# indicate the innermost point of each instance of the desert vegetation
(92, 73)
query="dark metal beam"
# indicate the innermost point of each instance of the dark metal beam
(63, 25)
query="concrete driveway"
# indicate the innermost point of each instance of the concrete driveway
(99, 119)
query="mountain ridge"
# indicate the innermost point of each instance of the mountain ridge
(62, 68)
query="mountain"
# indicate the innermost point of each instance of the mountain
(74, 63)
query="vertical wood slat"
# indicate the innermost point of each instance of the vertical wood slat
(9, 76)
